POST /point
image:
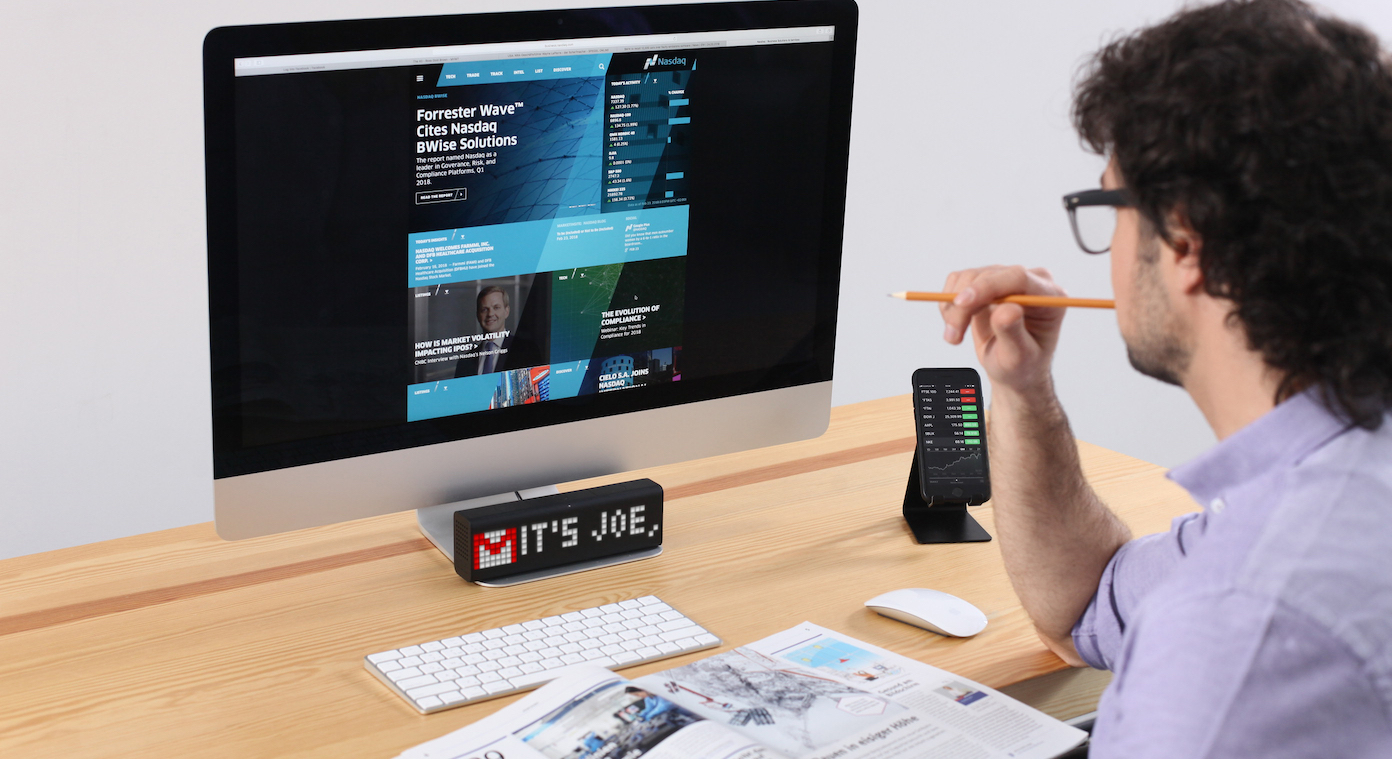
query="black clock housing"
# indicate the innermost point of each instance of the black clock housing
(496, 542)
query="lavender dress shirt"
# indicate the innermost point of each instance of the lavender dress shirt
(1262, 625)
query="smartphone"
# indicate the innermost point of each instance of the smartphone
(951, 455)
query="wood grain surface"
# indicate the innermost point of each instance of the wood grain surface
(177, 643)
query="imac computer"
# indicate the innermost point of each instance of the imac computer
(464, 258)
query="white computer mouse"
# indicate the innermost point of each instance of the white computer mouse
(933, 610)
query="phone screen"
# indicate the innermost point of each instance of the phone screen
(952, 458)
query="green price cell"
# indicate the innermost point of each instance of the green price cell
(969, 416)
(971, 433)
(974, 441)
(969, 408)
(970, 424)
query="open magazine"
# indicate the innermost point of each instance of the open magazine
(804, 693)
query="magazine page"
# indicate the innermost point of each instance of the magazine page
(965, 719)
(790, 708)
(593, 713)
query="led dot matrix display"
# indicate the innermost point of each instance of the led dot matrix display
(494, 542)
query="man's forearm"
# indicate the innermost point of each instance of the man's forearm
(1056, 534)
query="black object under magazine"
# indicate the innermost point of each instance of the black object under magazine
(950, 469)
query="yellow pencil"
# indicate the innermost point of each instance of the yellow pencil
(1024, 300)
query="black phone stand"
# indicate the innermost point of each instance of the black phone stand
(940, 523)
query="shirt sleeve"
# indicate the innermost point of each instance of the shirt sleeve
(1135, 569)
(1234, 674)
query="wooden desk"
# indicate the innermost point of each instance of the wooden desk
(179, 644)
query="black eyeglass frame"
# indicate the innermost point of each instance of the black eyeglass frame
(1075, 200)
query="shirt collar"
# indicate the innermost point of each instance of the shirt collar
(1278, 439)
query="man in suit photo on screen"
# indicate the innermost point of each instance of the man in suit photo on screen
(506, 349)
(1247, 203)
(493, 310)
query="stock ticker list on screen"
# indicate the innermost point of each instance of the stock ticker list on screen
(951, 437)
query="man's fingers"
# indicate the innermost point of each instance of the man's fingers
(955, 319)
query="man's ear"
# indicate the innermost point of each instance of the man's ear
(1185, 245)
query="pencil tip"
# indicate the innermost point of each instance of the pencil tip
(899, 295)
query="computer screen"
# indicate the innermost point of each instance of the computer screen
(459, 255)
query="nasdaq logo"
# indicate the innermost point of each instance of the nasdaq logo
(656, 60)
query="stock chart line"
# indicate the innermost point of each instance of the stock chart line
(969, 464)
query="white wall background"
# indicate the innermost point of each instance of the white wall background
(961, 150)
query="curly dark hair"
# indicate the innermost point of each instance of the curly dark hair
(1267, 126)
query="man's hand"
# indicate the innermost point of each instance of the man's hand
(1014, 344)
(1056, 536)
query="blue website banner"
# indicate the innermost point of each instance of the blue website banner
(523, 69)
(463, 395)
(503, 250)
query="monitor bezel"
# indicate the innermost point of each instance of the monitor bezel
(224, 45)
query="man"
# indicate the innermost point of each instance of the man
(1250, 165)
(493, 309)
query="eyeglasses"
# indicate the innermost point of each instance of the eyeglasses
(1092, 213)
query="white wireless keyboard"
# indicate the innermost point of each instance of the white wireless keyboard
(443, 674)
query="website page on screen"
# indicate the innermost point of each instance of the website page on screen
(549, 229)
(426, 234)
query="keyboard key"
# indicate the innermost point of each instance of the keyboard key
(416, 682)
(530, 679)
(434, 689)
